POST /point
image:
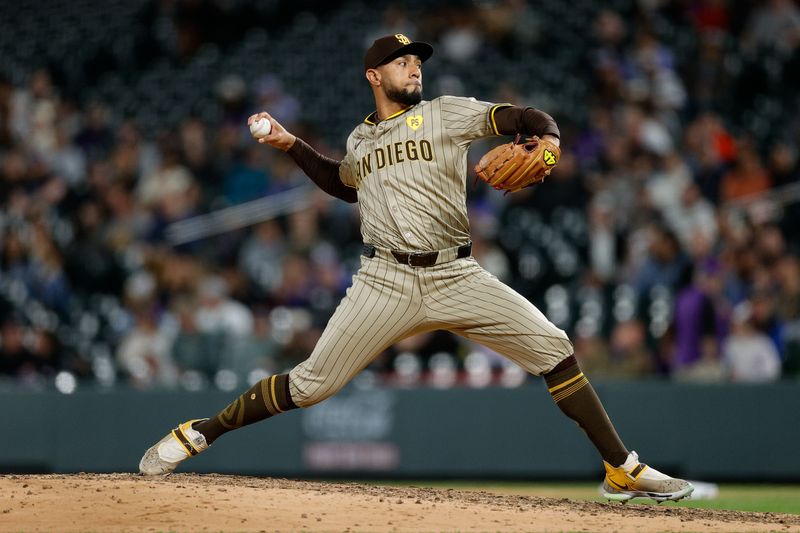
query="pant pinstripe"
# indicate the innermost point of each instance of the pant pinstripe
(389, 302)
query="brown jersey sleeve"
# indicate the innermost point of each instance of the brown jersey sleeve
(322, 170)
(527, 120)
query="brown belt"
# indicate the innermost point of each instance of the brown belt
(417, 259)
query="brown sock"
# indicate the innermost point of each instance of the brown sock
(576, 398)
(267, 398)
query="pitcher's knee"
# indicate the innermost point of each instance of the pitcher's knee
(307, 398)
(562, 346)
(565, 346)
(308, 388)
(557, 349)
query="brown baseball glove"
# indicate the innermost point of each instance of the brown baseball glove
(513, 166)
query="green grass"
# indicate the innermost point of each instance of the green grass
(756, 497)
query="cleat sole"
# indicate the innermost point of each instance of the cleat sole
(623, 497)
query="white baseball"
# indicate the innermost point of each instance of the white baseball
(261, 128)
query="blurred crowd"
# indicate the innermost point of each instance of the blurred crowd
(666, 242)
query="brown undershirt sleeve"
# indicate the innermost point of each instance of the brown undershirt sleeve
(322, 170)
(511, 120)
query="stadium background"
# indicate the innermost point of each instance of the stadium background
(155, 257)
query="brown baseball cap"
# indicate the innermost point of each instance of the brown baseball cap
(387, 48)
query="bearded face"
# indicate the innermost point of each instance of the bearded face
(408, 95)
(401, 80)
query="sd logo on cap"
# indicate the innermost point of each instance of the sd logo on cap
(387, 48)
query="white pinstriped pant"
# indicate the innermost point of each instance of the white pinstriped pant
(389, 302)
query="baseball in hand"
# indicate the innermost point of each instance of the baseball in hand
(261, 128)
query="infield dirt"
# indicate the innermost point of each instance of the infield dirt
(192, 502)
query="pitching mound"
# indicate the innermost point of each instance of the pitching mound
(191, 502)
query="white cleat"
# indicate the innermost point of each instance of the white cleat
(178, 445)
(633, 479)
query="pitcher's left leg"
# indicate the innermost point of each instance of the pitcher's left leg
(473, 303)
(469, 301)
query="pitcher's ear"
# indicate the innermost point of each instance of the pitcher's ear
(373, 76)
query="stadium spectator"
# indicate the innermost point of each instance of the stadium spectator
(749, 356)
(630, 356)
(89, 262)
(144, 352)
(650, 74)
(694, 221)
(747, 178)
(45, 275)
(261, 255)
(194, 351)
(65, 159)
(247, 179)
(764, 317)
(605, 241)
(259, 351)
(664, 264)
(666, 187)
(33, 113)
(218, 312)
(695, 346)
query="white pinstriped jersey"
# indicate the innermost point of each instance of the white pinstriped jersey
(410, 171)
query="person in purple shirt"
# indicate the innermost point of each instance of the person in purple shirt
(694, 327)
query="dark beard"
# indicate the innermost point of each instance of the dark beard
(406, 98)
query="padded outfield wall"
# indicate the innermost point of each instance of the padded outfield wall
(722, 432)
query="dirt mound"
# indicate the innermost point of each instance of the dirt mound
(192, 502)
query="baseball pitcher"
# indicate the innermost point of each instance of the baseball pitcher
(406, 166)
